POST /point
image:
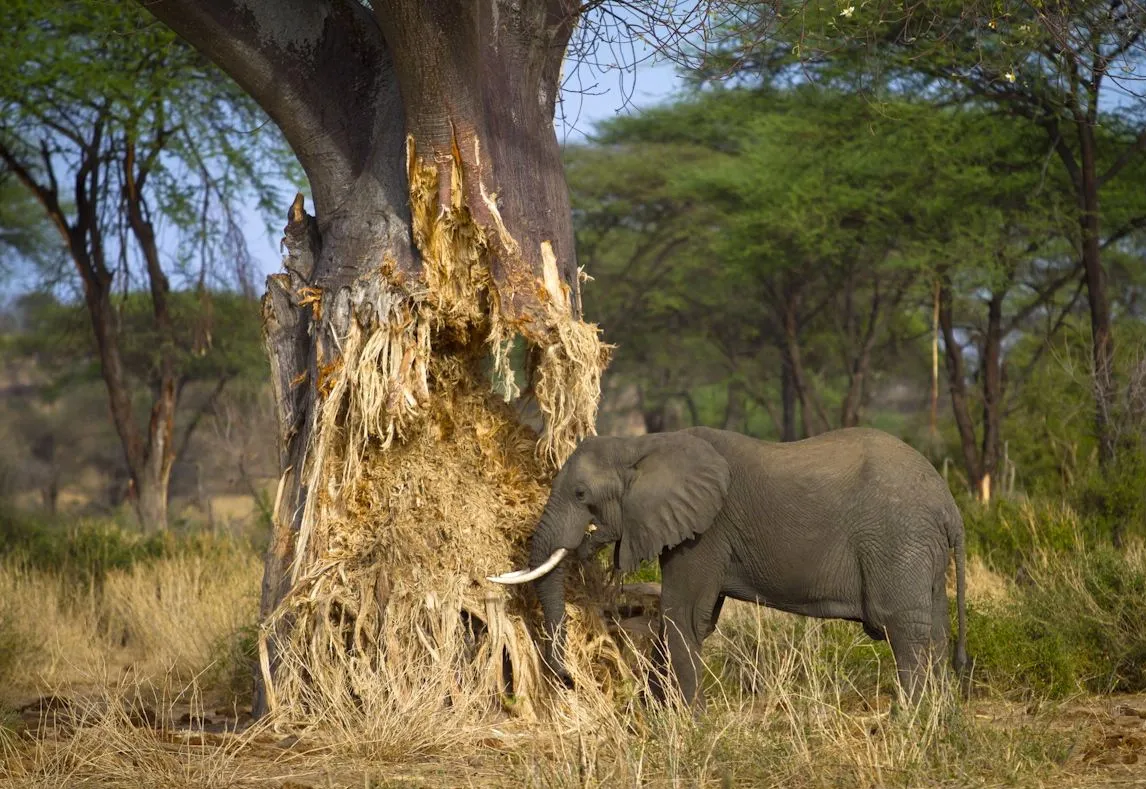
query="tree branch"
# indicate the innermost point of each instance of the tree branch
(317, 67)
(1063, 150)
(1030, 365)
(47, 197)
(1041, 298)
(1137, 223)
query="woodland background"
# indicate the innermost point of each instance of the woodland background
(866, 236)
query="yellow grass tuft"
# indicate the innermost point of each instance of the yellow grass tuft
(171, 615)
(168, 616)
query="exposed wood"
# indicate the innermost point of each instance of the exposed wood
(288, 345)
(479, 100)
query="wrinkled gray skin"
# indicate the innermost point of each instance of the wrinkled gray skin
(852, 524)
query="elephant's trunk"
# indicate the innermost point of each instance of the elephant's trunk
(550, 590)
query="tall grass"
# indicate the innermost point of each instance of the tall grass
(792, 702)
(787, 708)
(183, 614)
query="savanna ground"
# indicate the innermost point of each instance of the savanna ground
(126, 662)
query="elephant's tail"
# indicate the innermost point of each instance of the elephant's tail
(957, 543)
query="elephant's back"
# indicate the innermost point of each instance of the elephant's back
(867, 467)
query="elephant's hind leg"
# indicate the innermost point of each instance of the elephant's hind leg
(914, 651)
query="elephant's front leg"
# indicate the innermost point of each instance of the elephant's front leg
(691, 579)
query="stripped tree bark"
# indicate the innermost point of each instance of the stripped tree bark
(442, 230)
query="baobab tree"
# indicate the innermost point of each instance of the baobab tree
(441, 236)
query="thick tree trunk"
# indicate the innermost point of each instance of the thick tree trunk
(442, 230)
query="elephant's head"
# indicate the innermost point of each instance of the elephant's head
(646, 493)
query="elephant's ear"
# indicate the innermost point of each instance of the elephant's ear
(676, 491)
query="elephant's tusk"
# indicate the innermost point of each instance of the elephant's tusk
(525, 576)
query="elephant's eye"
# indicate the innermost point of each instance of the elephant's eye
(581, 494)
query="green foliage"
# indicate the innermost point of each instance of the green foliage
(231, 672)
(25, 234)
(1115, 497)
(1079, 623)
(89, 74)
(1008, 532)
(648, 571)
(800, 216)
(84, 552)
(216, 335)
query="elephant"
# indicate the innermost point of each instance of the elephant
(850, 524)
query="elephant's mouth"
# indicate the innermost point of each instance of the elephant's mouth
(525, 576)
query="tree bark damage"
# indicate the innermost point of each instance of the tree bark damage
(442, 231)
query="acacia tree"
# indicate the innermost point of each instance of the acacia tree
(110, 122)
(441, 231)
(1073, 71)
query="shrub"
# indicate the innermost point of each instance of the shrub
(84, 551)
(1009, 531)
(1078, 623)
(1114, 498)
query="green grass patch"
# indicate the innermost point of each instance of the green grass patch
(85, 550)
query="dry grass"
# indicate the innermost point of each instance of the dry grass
(173, 616)
(793, 702)
(130, 734)
(47, 631)
(984, 585)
